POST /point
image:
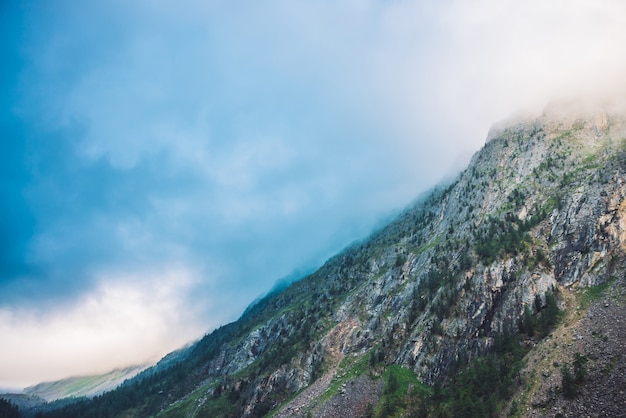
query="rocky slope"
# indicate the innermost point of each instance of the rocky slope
(384, 325)
(595, 329)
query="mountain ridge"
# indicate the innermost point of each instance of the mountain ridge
(79, 386)
(465, 281)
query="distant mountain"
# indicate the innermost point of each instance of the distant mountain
(51, 395)
(499, 294)
(82, 386)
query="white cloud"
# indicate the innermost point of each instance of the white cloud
(128, 320)
(504, 57)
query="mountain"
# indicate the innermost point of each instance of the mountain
(82, 386)
(50, 395)
(501, 293)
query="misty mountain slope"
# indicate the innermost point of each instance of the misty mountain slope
(87, 386)
(460, 286)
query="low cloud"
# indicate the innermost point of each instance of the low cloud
(126, 320)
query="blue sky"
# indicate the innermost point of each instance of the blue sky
(164, 164)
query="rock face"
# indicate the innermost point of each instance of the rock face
(540, 210)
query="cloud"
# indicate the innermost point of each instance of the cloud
(512, 56)
(129, 318)
(240, 141)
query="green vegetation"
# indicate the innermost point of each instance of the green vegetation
(478, 389)
(402, 393)
(500, 237)
(197, 402)
(580, 370)
(589, 295)
(543, 320)
(590, 162)
(349, 369)
(509, 236)
(8, 409)
(568, 384)
(440, 286)
(481, 389)
(553, 202)
(517, 198)
(220, 407)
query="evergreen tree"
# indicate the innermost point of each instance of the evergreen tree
(567, 382)
(8, 409)
(580, 372)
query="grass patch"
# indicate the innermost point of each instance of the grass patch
(187, 406)
(401, 393)
(349, 369)
(220, 407)
(430, 245)
(552, 203)
(589, 295)
(589, 162)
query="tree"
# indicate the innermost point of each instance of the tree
(580, 372)
(550, 314)
(8, 409)
(421, 411)
(538, 303)
(392, 383)
(567, 382)
(528, 322)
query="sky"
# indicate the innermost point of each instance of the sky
(163, 164)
